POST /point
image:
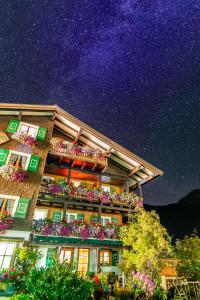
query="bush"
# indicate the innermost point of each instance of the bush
(58, 282)
(21, 297)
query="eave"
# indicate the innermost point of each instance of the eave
(138, 170)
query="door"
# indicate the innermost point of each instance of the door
(83, 259)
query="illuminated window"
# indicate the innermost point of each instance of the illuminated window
(6, 253)
(7, 205)
(66, 254)
(19, 160)
(40, 214)
(83, 260)
(28, 129)
(76, 183)
(105, 188)
(105, 220)
(71, 217)
(105, 257)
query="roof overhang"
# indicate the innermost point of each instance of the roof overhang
(138, 170)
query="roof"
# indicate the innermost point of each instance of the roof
(138, 170)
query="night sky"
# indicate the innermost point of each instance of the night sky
(128, 68)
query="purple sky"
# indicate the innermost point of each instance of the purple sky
(130, 69)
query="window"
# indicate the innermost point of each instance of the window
(40, 214)
(6, 253)
(71, 217)
(66, 254)
(19, 160)
(76, 183)
(105, 257)
(8, 204)
(83, 260)
(106, 188)
(105, 220)
(28, 129)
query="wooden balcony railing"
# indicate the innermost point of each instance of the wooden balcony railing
(79, 229)
(62, 148)
(97, 195)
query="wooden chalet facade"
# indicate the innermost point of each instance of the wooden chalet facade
(68, 187)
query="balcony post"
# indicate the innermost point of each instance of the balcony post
(98, 259)
(64, 210)
(99, 213)
(140, 189)
(69, 175)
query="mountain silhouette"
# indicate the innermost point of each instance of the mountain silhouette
(180, 218)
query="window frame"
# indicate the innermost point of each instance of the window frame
(41, 210)
(68, 217)
(104, 218)
(29, 126)
(28, 155)
(88, 260)
(102, 261)
(12, 255)
(10, 197)
(65, 249)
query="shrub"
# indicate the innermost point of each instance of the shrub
(58, 282)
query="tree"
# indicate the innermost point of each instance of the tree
(188, 254)
(147, 242)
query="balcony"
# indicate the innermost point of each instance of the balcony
(93, 195)
(78, 154)
(76, 232)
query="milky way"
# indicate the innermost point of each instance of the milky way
(130, 69)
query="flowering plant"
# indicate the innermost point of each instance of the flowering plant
(66, 148)
(142, 284)
(97, 194)
(5, 221)
(13, 173)
(101, 283)
(22, 138)
(77, 229)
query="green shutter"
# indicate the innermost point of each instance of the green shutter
(115, 258)
(22, 208)
(114, 220)
(51, 253)
(13, 126)
(41, 135)
(81, 217)
(57, 215)
(3, 156)
(34, 162)
(62, 182)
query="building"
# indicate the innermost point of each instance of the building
(67, 187)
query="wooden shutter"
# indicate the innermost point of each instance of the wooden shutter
(13, 126)
(81, 217)
(22, 208)
(34, 162)
(3, 156)
(57, 215)
(51, 252)
(41, 135)
(114, 220)
(115, 258)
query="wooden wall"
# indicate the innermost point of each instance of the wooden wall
(30, 188)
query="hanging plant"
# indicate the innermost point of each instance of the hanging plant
(5, 221)
(22, 138)
(13, 173)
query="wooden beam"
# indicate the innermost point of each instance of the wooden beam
(78, 136)
(95, 165)
(134, 171)
(83, 166)
(73, 164)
